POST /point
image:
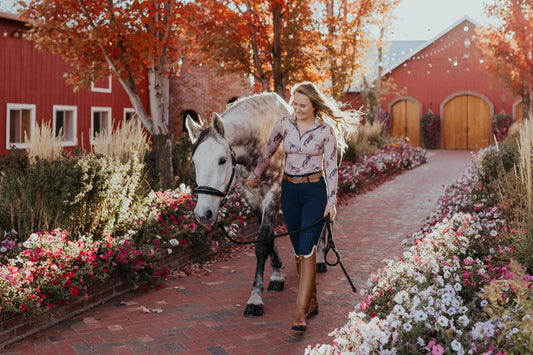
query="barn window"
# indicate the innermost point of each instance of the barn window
(66, 123)
(102, 85)
(20, 124)
(100, 121)
(129, 114)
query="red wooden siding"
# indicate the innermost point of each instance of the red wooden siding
(28, 76)
(431, 77)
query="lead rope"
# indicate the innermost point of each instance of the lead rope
(329, 246)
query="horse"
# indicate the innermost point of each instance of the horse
(231, 147)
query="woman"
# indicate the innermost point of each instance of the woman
(310, 136)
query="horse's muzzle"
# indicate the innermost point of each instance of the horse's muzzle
(206, 217)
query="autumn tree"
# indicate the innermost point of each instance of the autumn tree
(507, 46)
(128, 39)
(274, 41)
(350, 32)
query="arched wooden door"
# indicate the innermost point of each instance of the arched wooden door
(466, 123)
(519, 113)
(406, 121)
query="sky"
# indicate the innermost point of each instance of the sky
(425, 19)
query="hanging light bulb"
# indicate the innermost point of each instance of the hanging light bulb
(465, 28)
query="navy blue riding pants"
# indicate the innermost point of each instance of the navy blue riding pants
(302, 204)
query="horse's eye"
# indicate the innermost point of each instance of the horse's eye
(222, 161)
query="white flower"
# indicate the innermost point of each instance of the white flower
(169, 251)
(463, 320)
(407, 327)
(443, 321)
(420, 316)
(457, 347)
(3, 249)
(420, 341)
(174, 242)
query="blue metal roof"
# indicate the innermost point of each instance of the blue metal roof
(8, 6)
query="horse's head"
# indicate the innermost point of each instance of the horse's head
(215, 167)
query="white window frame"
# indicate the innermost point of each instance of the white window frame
(107, 90)
(74, 110)
(130, 110)
(100, 109)
(9, 108)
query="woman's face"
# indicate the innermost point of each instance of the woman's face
(303, 108)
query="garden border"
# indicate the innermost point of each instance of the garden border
(15, 327)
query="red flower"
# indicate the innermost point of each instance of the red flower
(68, 284)
(144, 287)
(61, 302)
(74, 291)
(23, 307)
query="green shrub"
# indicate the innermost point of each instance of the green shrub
(84, 194)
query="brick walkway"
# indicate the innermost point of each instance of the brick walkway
(202, 314)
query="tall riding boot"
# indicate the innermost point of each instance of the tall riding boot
(313, 304)
(305, 290)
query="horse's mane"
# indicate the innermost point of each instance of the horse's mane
(250, 103)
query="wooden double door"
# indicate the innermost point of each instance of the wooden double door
(466, 123)
(406, 121)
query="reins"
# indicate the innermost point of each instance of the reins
(329, 246)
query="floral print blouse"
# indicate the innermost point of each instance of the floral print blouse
(304, 154)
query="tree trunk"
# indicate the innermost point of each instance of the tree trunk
(526, 101)
(159, 93)
(163, 158)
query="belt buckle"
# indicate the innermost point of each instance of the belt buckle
(299, 179)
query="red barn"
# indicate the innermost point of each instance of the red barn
(33, 91)
(447, 76)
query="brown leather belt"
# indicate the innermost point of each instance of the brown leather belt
(303, 179)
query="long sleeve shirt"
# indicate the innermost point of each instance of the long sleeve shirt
(305, 154)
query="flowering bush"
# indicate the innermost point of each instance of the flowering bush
(454, 290)
(50, 270)
(500, 125)
(430, 126)
(392, 158)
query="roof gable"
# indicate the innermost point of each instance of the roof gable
(465, 20)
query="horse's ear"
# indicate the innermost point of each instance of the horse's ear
(216, 123)
(193, 128)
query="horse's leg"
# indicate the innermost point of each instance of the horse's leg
(321, 266)
(277, 282)
(254, 306)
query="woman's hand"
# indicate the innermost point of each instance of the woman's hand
(252, 181)
(331, 210)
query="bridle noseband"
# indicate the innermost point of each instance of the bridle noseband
(208, 190)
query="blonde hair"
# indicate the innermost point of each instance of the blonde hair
(343, 122)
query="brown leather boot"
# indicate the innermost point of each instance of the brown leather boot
(313, 304)
(305, 290)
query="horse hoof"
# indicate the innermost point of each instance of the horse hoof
(253, 310)
(321, 268)
(276, 286)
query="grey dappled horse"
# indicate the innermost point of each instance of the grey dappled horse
(231, 146)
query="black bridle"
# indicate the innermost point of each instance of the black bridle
(208, 190)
